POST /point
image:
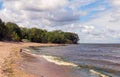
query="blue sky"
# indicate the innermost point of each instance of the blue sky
(1, 4)
(92, 11)
(95, 21)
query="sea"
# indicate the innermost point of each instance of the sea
(87, 60)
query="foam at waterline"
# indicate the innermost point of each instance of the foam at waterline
(57, 61)
(98, 73)
(52, 59)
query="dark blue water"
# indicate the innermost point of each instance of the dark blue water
(103, 58)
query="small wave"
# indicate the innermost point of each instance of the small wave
(25, 49)
(53, 59)
(58, 61)
(98, 73)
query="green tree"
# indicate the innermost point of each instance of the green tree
(24, 33)
(3, 29)
(44, 36)
(13, 28)
(15, 36)
(12, 32)
(71, 37)
(33, 35)
(37, 35)
(56, 37)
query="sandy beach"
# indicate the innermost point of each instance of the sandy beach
(30, 64)
(10, 60)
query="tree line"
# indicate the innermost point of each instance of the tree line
(12, 32)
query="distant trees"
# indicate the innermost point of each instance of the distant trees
(15, 37)
(12, 32)
(59, 36)
(37, 35)
(71, 37)
(2, 29)
(56, 37)
(24, 33)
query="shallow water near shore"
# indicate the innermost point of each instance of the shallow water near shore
(87, 60)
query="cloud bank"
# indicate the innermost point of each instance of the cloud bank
(93, 20)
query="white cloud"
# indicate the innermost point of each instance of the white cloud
(65, 15)
(34, 4)
(46, 12)
(107, 26)
(87, 29)
(116, 2)
(78, 3)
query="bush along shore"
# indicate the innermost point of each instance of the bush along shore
(12, 32)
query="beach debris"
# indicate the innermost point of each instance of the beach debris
(20, 50)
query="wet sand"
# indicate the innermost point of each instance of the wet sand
(12, 64)
(45, 69)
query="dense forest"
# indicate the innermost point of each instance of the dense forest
(12, 32)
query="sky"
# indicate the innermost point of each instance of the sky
(95, 21)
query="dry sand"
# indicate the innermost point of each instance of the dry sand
(6, 48)
(9, 57)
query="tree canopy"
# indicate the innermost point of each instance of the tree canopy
(12, 32)
(2, 29)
